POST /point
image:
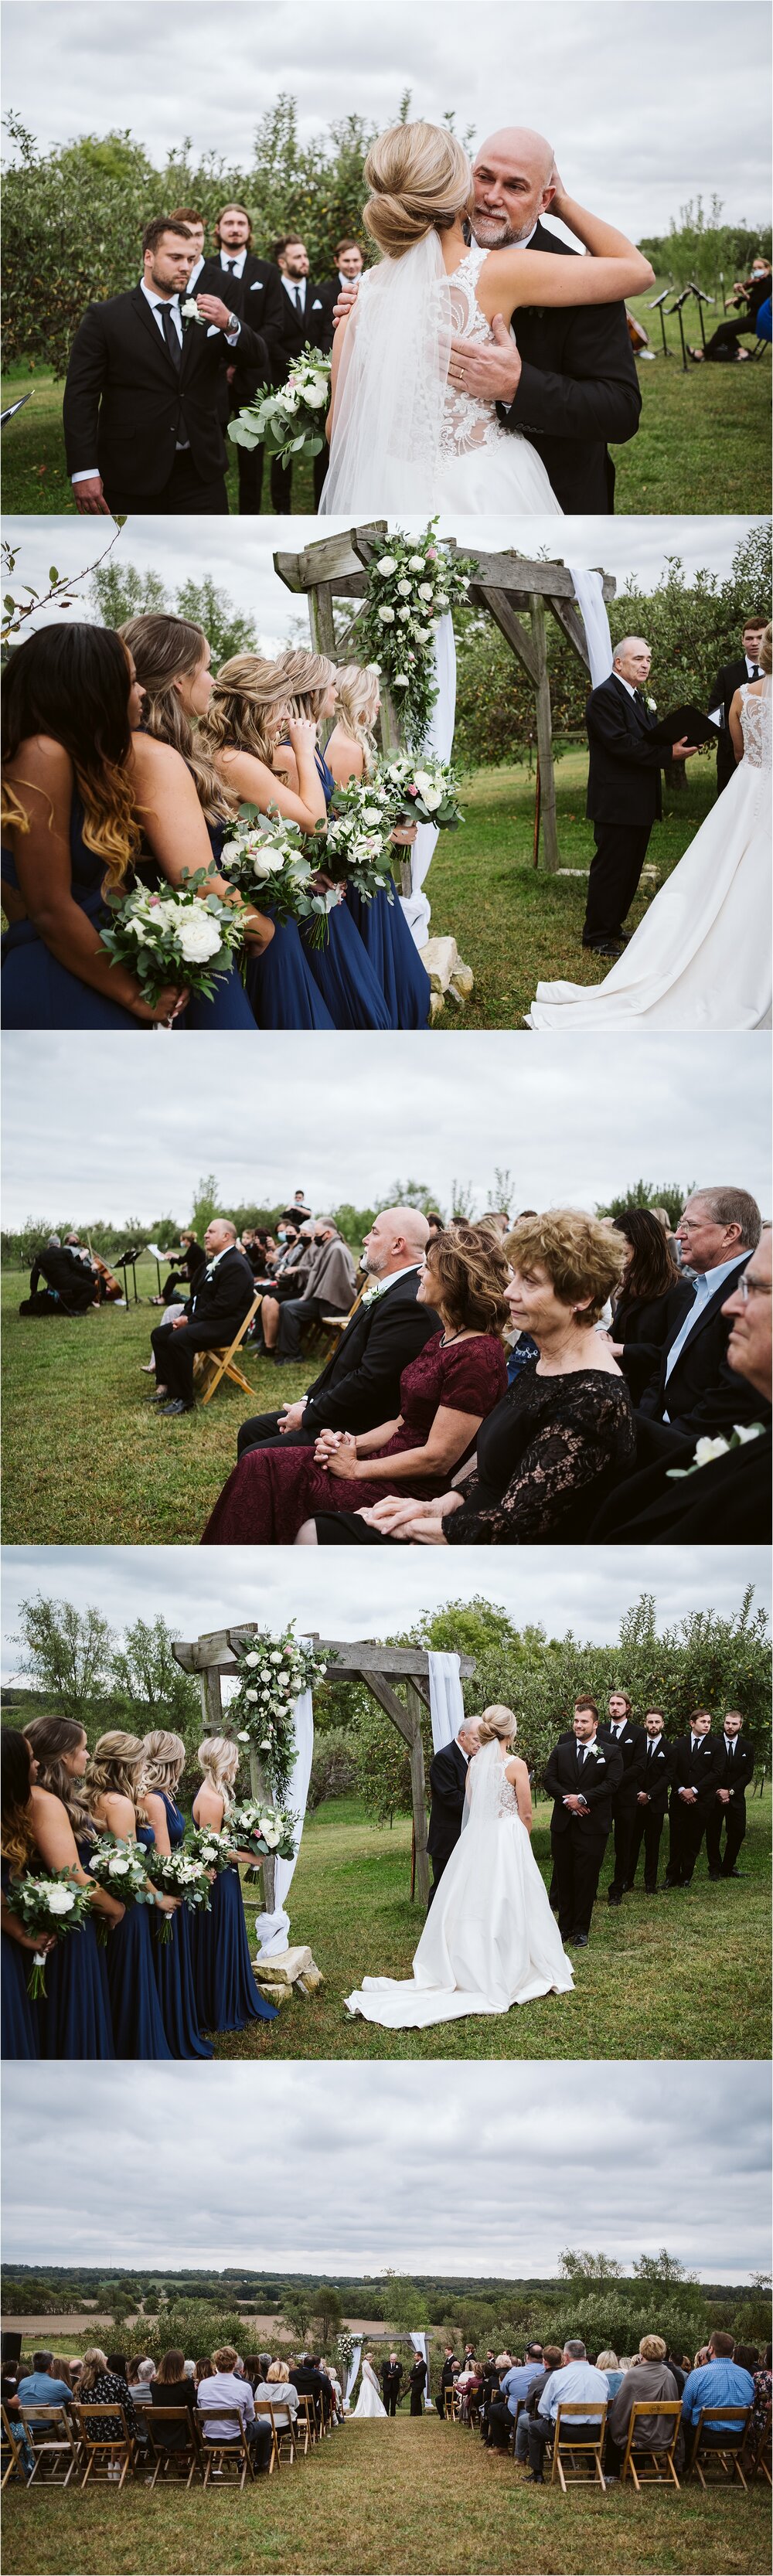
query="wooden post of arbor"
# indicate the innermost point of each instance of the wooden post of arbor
(547, 775)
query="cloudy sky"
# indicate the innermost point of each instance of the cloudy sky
(647, 107)
(127, 1583)
(398, 2174)
(347, 1122)
(238, 554)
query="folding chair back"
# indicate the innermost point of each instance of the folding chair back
(584, 2443)
(224, 2451)
(49, 2433)
(334, 1326)
(661, 2471)
(100, 2450)
(174, 2443)
(12, 2446)
(760, 2451)
(735, 2421)
(450, 2409)
(305, 2423)
(519, 2403)
(282, 2435)
(210, 1366)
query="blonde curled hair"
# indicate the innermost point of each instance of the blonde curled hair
(278, 2370)
(245, 692)
(498, 1725)
(93, 2367)
(307, 676)
(164, 1759)
(114, 1766)
(357, 701)
(165, 649)
(218, 1761)
(419, 177)
(583, 1256)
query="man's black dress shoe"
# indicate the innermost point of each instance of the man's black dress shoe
(178, 1407)
(604, 947)
(579, 1941)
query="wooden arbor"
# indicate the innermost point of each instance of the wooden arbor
(510, 586)
(379, 1667)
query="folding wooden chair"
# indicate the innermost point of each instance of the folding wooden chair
(585, 2444)
(182, 2457)
(99, 2450)
(733, 2419)
(450, 2407)
(335, 1325)
(14, 2465)
(305, 2424)
(212, 1365)
(661, 2472)
(49, 2433)
(225, 2451)
(511, 2436)
(759, 2454)
(282, 2435)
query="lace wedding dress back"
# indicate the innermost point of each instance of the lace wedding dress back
(756, 725)
(467, 421)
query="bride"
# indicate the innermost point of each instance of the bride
(368, 2402)
(404, 434)
(700, 959)
(489, 1940)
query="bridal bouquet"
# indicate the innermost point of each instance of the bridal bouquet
(270, 862)
(423, 791)
(410, 587)
(177, 1873)
(47, 1905)
(287, 419)
(273, 1671)
(178, 938)
(264, 1831)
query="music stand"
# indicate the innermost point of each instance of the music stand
(700, 299)
(14, 407)
(677, 308)
(657, 307)
(126, 1261)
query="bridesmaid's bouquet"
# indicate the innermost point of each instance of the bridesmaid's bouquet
(267, 1833)
(178, 1873)
(121, 1868)
(288, 419)
(47, 1905)
(179, 938)
(420, 791)
(214, 1851)
(270, 863)
(357, 843)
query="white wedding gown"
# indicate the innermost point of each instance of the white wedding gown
(701, 958)
(368, 2402)
(490, 1939)
(404, 437)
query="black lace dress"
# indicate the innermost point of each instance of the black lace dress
(546, 1457)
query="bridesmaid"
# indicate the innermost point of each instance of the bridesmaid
(343, 969)
(226, 1993)
(351, 753)
(171, 658)
(74, 2014)
(111, 1793)
(247, 711)
(163, 1766)
(20, 2035)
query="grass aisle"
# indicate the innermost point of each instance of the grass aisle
(407, 2498)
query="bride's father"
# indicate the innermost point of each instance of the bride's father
(448, 1782)
(568, 381)
(624, 796)
(140, 409)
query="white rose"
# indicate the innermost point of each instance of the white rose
(272, 1834)
(403, 614)
(119, 1866)
(707, 1449)
(423, 634)
(290, 398)
(316, 393)
(275, 1658)
(252, 1660)
(404, 589)
(243, 1736)
(401, 680)
(252, 1694)
(371, 814)
(283, 1677)
(199, 937)
(425, 590)
(415, 563)
(265, 863)
(60, 1900)
(386, 565)
(432, 795)
(747, 1430)
(265, 1744)
(387, 616)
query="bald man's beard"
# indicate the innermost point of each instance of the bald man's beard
(493, 232)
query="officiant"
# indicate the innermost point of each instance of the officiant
(624, 793)
(448, 1784)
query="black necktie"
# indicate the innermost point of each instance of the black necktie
(651, 1747)
(297, 298)
(170, 334)
(755, 673)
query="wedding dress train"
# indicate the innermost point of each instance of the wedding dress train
(368, 2402)
(700, 959)
(490, 1939)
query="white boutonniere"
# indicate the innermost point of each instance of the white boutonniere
(189, 311)
(707, 1450)
(653, 706)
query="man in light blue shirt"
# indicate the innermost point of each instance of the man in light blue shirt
(719, 2382)
(578, 2378)
(39, 2388)
(514, 2387)
(693, 1387)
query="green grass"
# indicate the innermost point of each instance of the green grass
(513, 924)
(36, 478)
(404, 2499)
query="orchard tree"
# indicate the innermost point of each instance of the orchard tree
(67, 1653)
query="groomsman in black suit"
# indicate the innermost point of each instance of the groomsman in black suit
(306, 322)
(618, 1729)
(448, 1783)
(581, 1777)
(417, 2381)
(732, 676)
(349, 267)
(651, 1800)
(254, 286)
(698, 1767)
(211, 1319)
(360, 1385)
(729, 1803)
(391, 2383)
(140, 408)
(693, 1388)
(624, 795)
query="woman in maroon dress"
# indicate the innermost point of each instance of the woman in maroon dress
(445, 1394)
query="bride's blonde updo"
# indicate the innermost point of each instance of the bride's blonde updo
(497, 1726)
(419, 176)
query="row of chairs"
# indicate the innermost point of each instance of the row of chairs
(210, 1366)
(577, 2454)
(59, 2446)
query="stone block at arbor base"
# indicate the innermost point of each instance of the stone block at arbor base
(447, 974)
(278, 1971)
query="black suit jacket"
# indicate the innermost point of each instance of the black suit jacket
(360, 1385)
(448, 1782)
(728, 1501)
(737, 1769)
(646, 1326)
(630, 1745)
(624, 768)
(703, 1394)
(732, 676)
(701, 1770)
(126, 405)
(578, 388)
(312, 328)
(657, 1774)
(257, 296)
(221, 1303)
(594, 1780)
(328, 293)
(74, 1284)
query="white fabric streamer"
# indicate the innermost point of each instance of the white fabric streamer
(589, 594)
(420, 2344)
(352, 2372)
(445, 1699)
(273, 1929)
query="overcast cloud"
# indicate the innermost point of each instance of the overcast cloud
(87, 1137)
(647, 107)
(238, 554)
(590, 1600)
(305, 2168)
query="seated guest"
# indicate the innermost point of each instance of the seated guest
(650, 1300)
(227, 2387)
(98, 2382)
(309, 2381)
(562, 1433)
(448, 2378)
(648, 2376)
(749, 294)
(193, 1263)
(693, 1388)
(204, 2369)
(577, 2379)
(212, 1319)
(280, 2388)
(444, 1395)
(42, 2385)
(684, 1497)
(552, 2358)
(719, 2381)
(746, 2358)
(329, 1290)
(360, 1384)
(515, 2385)
(141, 2377)
(172, 2386)
(69, 1287)
(613, 2373)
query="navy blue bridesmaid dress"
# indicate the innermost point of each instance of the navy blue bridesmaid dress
(394, 957)
(37, 992)
(229, 1007)
(19, 2026)
(280, 992)
(226, 1993)
(138, 2029)
(74, 2013)
(342, 970)
(173, 1964)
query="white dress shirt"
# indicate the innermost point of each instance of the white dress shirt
(234, 260)
(295, 287)
(379, 1287)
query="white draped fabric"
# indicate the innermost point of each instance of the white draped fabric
(445, 1701)
(438, 745)
(273, 1930)
(420, 2344)
(352, 2372)
(589, 594)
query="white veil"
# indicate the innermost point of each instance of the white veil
(391, 388)
(486, 1784)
